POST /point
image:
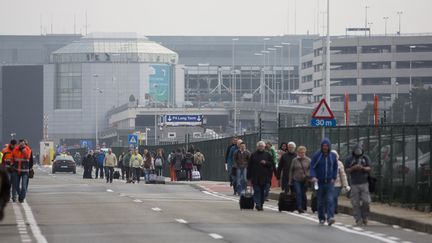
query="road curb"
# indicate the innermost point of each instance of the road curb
(382, 218)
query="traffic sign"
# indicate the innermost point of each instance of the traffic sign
(323, 111)
(184, 120)
(315, 122)
(133, 139)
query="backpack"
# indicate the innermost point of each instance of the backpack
(198, 158)
(158, 162)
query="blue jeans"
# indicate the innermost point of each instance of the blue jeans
(299, 188)
(325, 197)
(146, 175)
(19, 185)
(337, 191)
(241, 179)
(259, 194)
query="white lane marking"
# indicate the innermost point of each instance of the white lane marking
(137, 201)
(342, 228)
(156, 209)
(109, 190)
(215, 236)
(122, 195)
(406, 242)
(181, 221)
(394, 238)
(33, 224)
(358, 229)
(22, 229)
(421, 233)
(408, 230)
(396, 226)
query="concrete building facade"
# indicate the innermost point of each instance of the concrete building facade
(361, 67)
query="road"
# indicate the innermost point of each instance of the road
(65, 208)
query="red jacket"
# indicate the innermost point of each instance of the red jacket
(7, 157)
(21, 159)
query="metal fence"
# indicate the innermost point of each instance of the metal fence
(400, 155)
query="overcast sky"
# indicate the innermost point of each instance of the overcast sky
(210, 17)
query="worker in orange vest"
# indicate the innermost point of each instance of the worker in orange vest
(7, 161)
(21, 167)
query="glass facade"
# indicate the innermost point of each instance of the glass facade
(68, 86)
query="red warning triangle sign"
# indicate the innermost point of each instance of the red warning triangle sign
(323, 111)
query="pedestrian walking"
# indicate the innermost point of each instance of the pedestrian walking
(299, 177)
(136, 161)
(147, 165)
(199, 160)
(241, 159)
(7, 161)
(177, 164)
(159, 162)
(121, 166)
(110, 162)
(77, 158)
(259, 171)
(229, 163)
(283, 148)
(128, 166)
(358, 168)
(171, 162)
(323, 171)
(100, 157)
(88, 163)
(284, 166)
(21, 167)
(341, 181)
(187, 164)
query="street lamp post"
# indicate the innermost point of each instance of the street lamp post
(98, 91)
(410, 74)
(385, 25)
(234, 84)
(288, 45)
(366, 18)
(399, 13)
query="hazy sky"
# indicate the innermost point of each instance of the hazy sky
(209, 17)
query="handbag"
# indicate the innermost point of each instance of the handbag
(307, 178)
(31, 173)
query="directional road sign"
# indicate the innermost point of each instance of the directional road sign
(191, 120)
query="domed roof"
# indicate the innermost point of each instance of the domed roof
(116, 47)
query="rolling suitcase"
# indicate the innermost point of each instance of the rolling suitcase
(246, 199)
(287, 202)
(116, 175)
(152, 178)
(181, 175)
(160, 180)
(196, 175)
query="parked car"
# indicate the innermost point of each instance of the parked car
(64, 163)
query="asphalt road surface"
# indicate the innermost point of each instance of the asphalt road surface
(65, 208)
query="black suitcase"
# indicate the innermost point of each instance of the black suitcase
(116, 175)
(181, 175)
(287, 202)
(246, 200)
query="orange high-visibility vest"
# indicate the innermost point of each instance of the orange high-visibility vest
(21, 159)
(7, 157)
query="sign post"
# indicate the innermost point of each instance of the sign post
(323, 116)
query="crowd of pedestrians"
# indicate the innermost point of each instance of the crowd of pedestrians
(132, 165)
(324, 173)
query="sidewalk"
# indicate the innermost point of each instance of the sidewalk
(383, 213)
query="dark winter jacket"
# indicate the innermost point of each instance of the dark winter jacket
(285, 165)
(89, 161)
(324, 167)
(258, 173)
(241, 158)
(358, 177)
